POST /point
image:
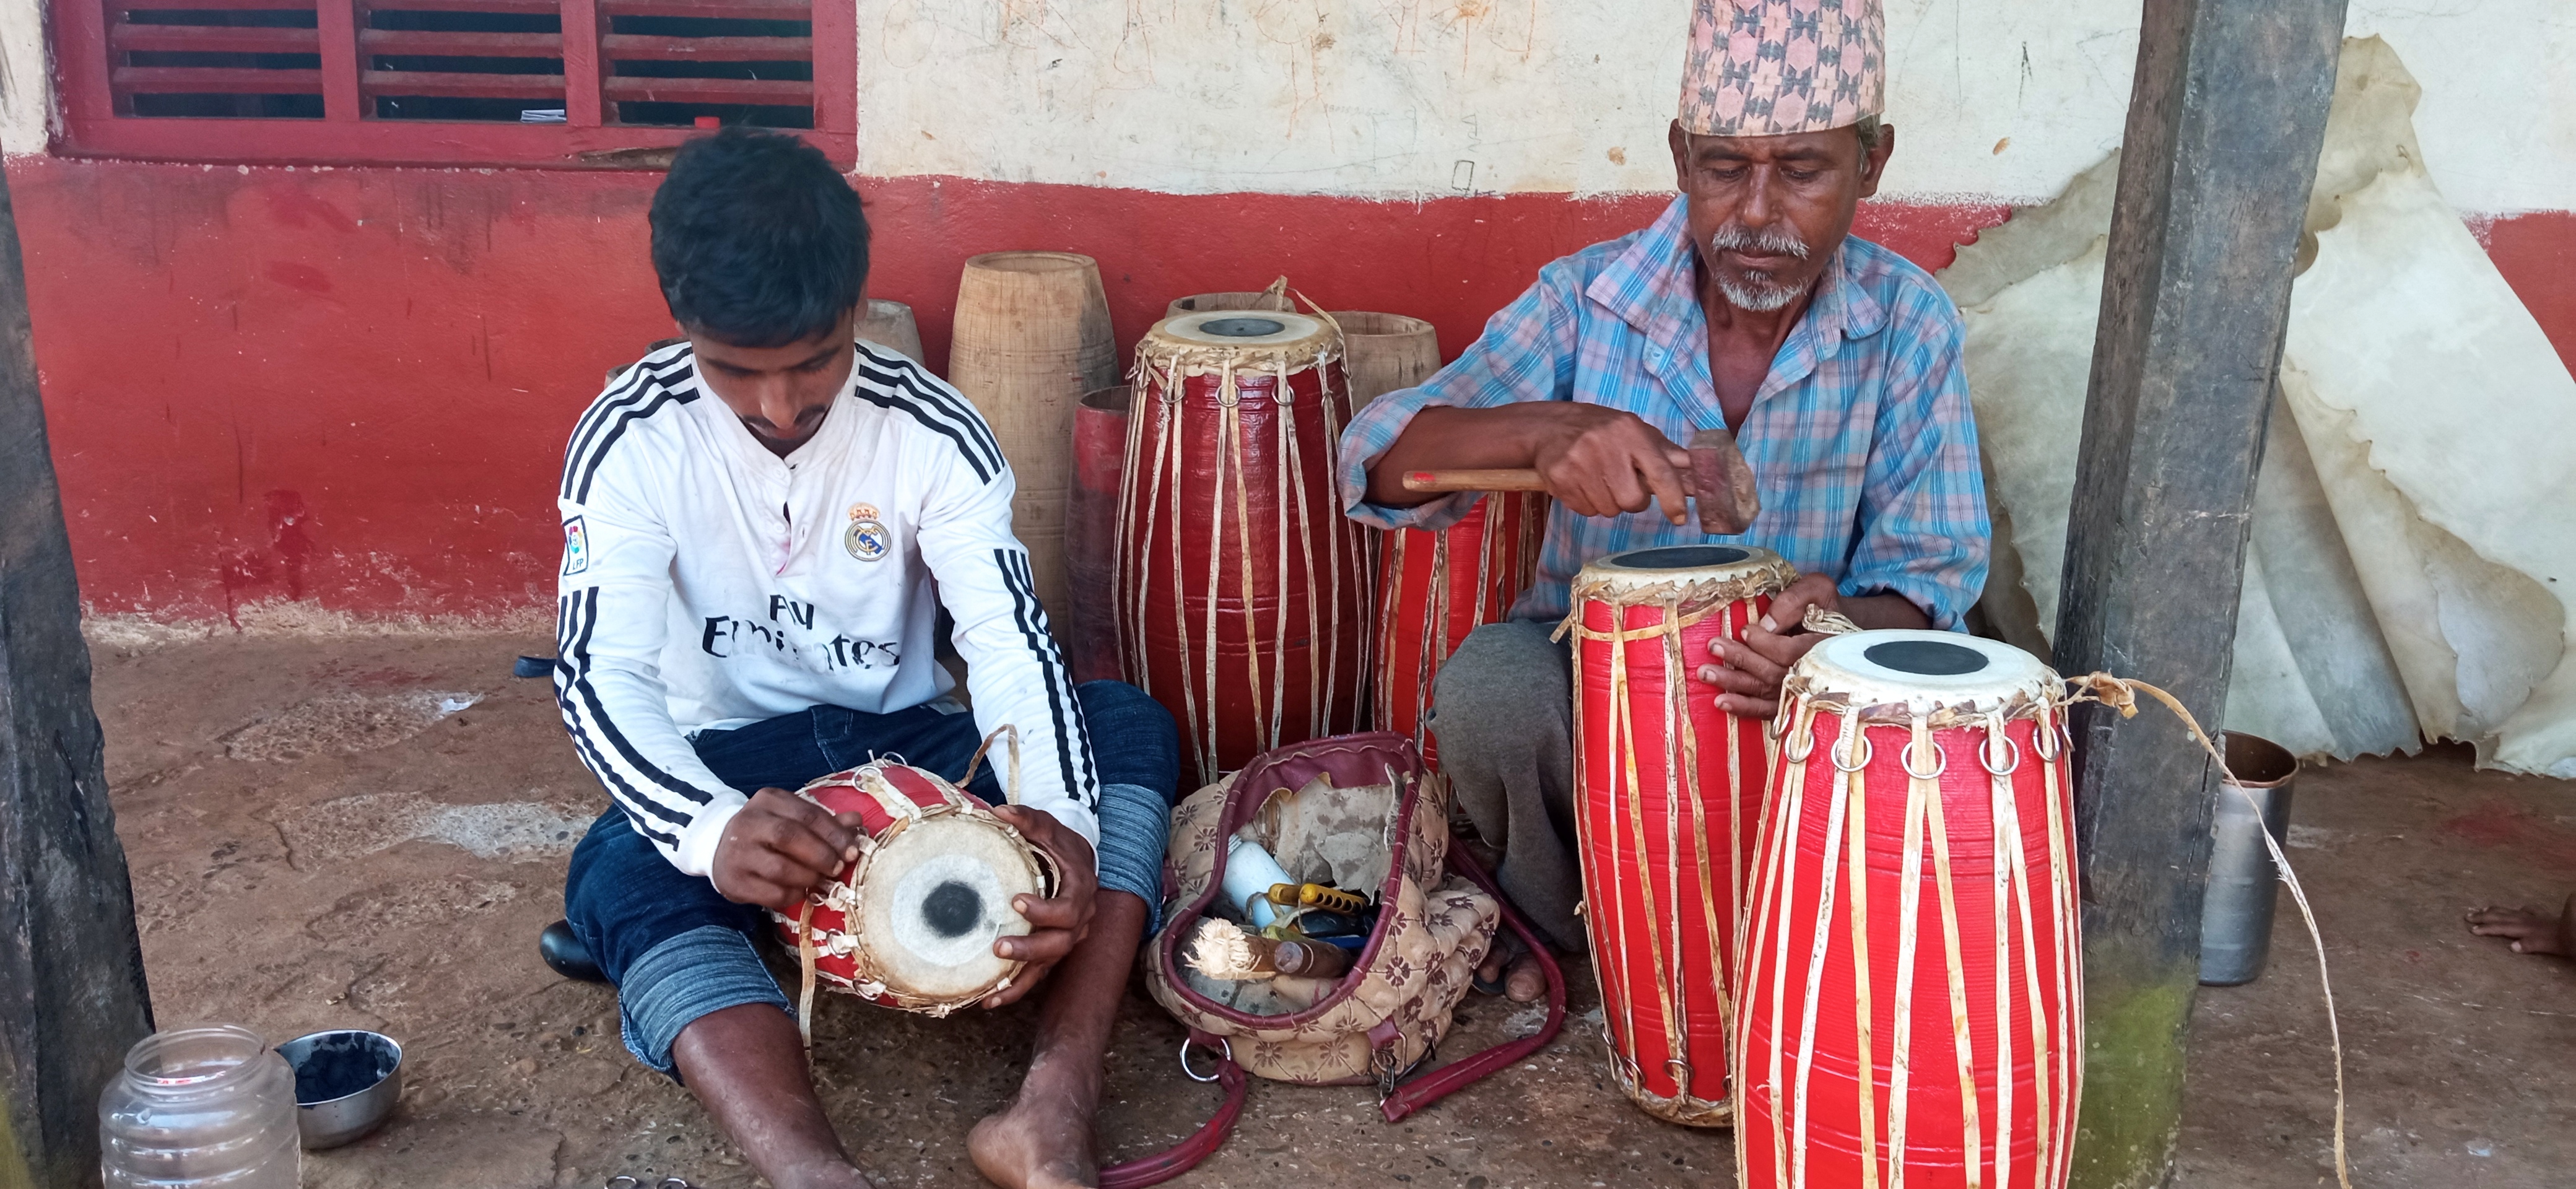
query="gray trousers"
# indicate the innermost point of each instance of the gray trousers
(1503, 714)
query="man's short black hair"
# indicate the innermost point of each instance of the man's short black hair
(758, 241)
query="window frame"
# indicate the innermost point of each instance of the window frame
(90, 127)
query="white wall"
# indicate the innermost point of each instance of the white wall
(1401, 99)
(26, 69)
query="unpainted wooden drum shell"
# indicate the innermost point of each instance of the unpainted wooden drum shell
(1032, 336)
(1388, 352)
(890, 324)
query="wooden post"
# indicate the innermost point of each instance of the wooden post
(72, 997)
(2225, 122)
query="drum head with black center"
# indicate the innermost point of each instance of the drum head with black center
(1244, 328)
(936, 898)
(1619, 577)
(1896, 667)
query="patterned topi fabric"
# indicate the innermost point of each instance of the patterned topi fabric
(1775, 67)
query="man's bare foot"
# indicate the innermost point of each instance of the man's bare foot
(1523, 980)
(2532, 931)
(1041, 1141)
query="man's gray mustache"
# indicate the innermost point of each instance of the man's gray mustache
(1770, 241)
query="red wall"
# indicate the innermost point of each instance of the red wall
(353, 386)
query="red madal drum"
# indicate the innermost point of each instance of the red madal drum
(1243, 594)
(1436, 586)
(1668, 791)
(1911, 1007)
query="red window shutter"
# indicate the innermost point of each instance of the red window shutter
(672, 62)
(564, 83)
(215, 58)
(460, 60)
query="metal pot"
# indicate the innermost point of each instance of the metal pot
(2236, 915)
(334, 1114)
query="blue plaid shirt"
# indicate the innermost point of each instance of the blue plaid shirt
(1860, 439)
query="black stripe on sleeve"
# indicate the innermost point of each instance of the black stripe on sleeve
(621, 793)
(907, 376)
(580, 658)
(631, 387)
(899, 372)
(899, 404)
(599, 452)
(949, 402)
(1059, 689)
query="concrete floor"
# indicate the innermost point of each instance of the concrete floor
(325, 833)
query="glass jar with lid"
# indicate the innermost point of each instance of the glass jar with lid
(200, 1107)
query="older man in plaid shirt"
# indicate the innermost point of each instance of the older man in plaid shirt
(1748, 304)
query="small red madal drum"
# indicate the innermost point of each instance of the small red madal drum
(911, 923)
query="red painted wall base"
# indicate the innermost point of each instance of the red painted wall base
(353, 386)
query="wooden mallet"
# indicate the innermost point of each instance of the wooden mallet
(1721, 483)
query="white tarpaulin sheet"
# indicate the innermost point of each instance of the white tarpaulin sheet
(2413, 552)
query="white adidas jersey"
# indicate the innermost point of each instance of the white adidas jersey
(708, 583)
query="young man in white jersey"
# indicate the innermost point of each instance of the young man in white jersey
(760, 528)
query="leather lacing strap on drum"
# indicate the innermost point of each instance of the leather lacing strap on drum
(2121, 694)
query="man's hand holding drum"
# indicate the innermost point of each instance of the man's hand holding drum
(781, 847)
(1748, 675)
(1056, 925)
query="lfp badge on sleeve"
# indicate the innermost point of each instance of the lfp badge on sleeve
(867, 539)
(576, 548)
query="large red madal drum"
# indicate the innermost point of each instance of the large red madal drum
(1243, 593)
(1435, 587)
(1911, 1008)
(1668, 793)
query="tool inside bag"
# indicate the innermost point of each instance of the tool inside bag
(1364, 815)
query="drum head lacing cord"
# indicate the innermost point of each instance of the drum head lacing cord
(2121, 694)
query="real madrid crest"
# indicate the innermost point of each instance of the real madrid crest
(867, 539)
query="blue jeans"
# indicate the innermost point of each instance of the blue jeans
(677, 950)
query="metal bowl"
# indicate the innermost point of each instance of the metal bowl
(327, 1065)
